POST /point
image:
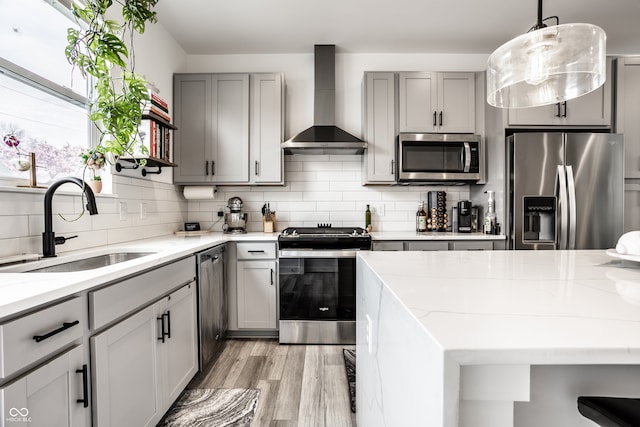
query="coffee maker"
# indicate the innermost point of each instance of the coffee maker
(464, 216)
(235, 221)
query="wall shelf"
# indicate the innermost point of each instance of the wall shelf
(149, 162)
(151, 116)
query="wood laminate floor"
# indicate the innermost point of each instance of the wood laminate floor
(300, 385)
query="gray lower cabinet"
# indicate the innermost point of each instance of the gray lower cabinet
(436, 245)
(439, 245)
(256, 281)
(52, 395)
(145, 350)
(230, 127)
(126, 388)
(43, 350)
(142, 364)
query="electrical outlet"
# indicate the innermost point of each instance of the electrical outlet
(221, 211)
(378, 210)
(143, 211)
(123, 211)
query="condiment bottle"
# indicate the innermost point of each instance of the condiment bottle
(421, 219)
(367, 219)
(490, 219)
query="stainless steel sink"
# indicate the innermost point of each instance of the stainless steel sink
(90, 263)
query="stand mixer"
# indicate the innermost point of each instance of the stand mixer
(235, 221)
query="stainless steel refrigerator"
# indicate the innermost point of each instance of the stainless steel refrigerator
(564, 190)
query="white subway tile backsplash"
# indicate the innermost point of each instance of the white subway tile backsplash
(14, 226)
(27, 207)
(314, 166)
(318, 189)
(338, 176)
(301, 176)
(310, 186)
(322, 195)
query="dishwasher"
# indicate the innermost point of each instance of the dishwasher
(212, 305)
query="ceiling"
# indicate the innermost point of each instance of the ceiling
(382, 26)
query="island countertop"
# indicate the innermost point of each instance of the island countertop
(493, 338)
(520, 306)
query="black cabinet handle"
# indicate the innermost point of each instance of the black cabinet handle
(257, 169)
(206, 167)
(440, 118)
(162, 332)
(256, 252)
(271, 276)
(564, 104)
(213, 167)
(168, 314)
(435, 113)
(85, 386)
(64, 327)
(392, 170)
(558, 109)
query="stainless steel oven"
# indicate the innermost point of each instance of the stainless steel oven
(317, 282)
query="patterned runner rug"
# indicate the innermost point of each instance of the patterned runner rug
(350, 367)
(213, 408)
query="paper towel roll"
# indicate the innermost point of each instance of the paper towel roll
(199, 192)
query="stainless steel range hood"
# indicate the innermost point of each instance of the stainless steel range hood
(324, 137)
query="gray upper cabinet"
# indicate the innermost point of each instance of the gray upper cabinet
(592, 109)
(229, 161)
(379, 130)
(267, 128)
(440, 102)
(192, 140)
(628, 117)
(628, 123)
(232, 128)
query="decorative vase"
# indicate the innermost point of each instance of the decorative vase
(96, 186)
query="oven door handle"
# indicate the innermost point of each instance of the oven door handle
(318, 253)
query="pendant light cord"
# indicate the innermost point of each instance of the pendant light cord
(540, 23)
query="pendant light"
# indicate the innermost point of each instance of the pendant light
(547, 65)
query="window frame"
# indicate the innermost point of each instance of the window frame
(43, 84)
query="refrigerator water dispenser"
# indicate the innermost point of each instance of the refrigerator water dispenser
(539, 214)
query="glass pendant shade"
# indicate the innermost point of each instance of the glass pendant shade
(546, 66)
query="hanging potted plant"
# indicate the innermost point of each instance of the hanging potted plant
(94, 160)
(99, 51)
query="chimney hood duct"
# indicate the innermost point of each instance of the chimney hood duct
(324, 137)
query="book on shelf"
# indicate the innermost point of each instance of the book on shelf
(154, 111)
(156, 100)
(156, 138)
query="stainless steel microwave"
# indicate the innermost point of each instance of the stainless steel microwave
(433, 157)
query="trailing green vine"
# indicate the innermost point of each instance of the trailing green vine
(99, 50)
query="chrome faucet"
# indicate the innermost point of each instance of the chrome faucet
(49, 239)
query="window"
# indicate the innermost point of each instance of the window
(43, 103)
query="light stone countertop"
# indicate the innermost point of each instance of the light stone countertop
(24, 291)
(532, 307)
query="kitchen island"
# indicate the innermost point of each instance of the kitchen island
(495, 338)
